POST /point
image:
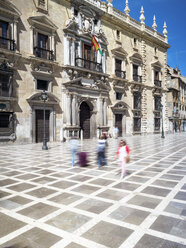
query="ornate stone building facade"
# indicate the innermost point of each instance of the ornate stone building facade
(176, 100)
(47, 45)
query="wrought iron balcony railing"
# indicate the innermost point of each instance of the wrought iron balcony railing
(137, 78)
(157, 83)
(88, 64)
(120, 74)
(43, 53)
(6, 43)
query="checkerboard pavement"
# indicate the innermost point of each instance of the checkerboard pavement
(44, 202)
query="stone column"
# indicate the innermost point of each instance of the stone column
(72, 52)
(15, 34)
(67, 49)
(100, 110)
(68, 110)
(74, 110)
(104, 61)
(31, 40)
(105, 112)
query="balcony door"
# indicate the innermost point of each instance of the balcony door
(88, 57)
(4, 34)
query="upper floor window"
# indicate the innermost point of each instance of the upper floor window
(88, 59)
(136, 73)
(5, 36)
(42, 48)
(118, 34)
(43, 37)
(119, 95)
(42, 85)
(5, 85)
(157, 81)
(157, 103)
(8, 25)
(118, 69)
(137, 100)
(75, 12)
(135, 42)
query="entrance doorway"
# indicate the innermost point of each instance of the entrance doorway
(85, 120)
(40, 123)
(118, 123)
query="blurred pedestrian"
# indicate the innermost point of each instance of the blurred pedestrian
(123, 152)
(115, 132)
(74, 145)
(101, 147)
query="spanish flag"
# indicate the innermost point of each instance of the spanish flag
(95, 43)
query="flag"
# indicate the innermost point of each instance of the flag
(100, 49)
(97, 45)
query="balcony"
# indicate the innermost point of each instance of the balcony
(43, 53)
(120, 74)
(137, 78)
(157, 83)
(88, 64)
(7, 44)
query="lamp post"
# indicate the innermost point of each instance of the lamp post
(162, 130)
(44, 97)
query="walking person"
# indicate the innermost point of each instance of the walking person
(115, 132)
(74, 145)
(123, 152)
(101, 147)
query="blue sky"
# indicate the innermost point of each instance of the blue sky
(171, 11)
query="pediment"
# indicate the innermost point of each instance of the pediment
(42, 21)
(9, 9)
(136, 57)
(36, 98)
(156, 64)
(119, 51)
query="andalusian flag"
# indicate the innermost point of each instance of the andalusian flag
(97, 45)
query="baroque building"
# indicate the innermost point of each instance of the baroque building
(47, 45)
(176, 100)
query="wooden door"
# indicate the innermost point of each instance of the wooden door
(85, 120)
(40, 125)
(118, 123)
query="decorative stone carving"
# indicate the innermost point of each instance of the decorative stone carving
(72, 23)
(42, 67)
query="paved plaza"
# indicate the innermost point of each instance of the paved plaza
(44, 202)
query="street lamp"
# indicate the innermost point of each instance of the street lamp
(162, 131)
(44, 97)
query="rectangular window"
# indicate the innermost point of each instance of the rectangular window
(4, 120)
(118, 63)
(118, 34)
(4, 85)
(137, 124)
(119, 95)
(88, 57)
(42, 85)
(156, 75)
(137, 100)
(42, 41)
(135, 70)
(157, 103)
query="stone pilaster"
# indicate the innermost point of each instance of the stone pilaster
(105, 112)
(144, 92)
(68, 110)
(74, 110)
